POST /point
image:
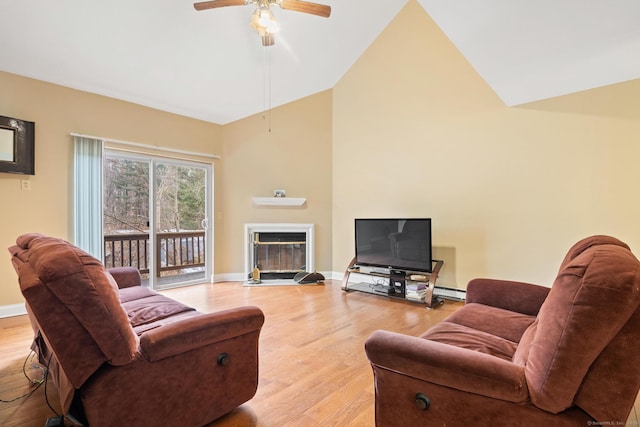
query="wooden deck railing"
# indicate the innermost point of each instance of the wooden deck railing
(173, 251)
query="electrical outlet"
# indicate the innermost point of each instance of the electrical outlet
(25, 184)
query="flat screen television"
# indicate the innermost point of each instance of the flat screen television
(398, 243)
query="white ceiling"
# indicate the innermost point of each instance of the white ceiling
(211, 66)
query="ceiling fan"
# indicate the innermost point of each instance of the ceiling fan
(262, 19)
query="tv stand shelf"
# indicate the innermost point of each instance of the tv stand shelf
(399, 282)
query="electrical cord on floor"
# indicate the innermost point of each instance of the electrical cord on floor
(33, 382)
(46, 377)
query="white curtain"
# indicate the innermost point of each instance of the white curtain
(88, 156)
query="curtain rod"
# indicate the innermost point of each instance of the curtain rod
(152, 147)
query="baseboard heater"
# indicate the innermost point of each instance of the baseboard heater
(450, 293)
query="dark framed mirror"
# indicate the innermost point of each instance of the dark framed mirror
(17, 146)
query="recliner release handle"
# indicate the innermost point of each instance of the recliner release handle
(223, 359)
(422, 402)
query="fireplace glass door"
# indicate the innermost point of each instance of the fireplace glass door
(279, 255)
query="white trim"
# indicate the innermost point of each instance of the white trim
(241, 277)
(151, 147)
(279, 201)
(12, 310)
(450, 293)
(335, 275)
(229, 277)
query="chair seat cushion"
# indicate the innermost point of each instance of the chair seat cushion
(145, 306)
(482, 328)
(472, 339)
(492, 320)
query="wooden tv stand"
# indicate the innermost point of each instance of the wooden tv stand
(398, 282)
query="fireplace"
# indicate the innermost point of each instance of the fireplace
(280, 251)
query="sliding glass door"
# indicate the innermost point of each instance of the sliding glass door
(156, 218)
(181, 223)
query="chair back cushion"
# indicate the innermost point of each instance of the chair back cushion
(594, 296)
(81, 284)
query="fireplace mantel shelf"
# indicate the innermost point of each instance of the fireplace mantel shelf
(279, 201)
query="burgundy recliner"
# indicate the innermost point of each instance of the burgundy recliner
(123, 355)
(522, 354)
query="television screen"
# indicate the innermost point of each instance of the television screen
(402, 244)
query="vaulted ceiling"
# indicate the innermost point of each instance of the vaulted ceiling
(210, 65)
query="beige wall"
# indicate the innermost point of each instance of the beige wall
(295, 155)
(417, 132)
(58, 111)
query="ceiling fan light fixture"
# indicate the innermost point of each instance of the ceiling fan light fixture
(265, 17)
(263, 21)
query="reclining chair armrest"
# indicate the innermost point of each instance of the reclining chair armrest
(448, 366)
(126, 277)
(199, 331)
(520, 297)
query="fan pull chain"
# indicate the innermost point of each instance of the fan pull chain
(266, 84)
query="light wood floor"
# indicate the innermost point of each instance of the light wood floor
(313, 370)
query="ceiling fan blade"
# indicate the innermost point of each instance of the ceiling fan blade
(306, 7)
(204, 5)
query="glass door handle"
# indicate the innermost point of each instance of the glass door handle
(205, 223)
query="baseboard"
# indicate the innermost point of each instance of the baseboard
(450, 293)
(229, 277)
(335, 275)
(241, 277)
(12, 310)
